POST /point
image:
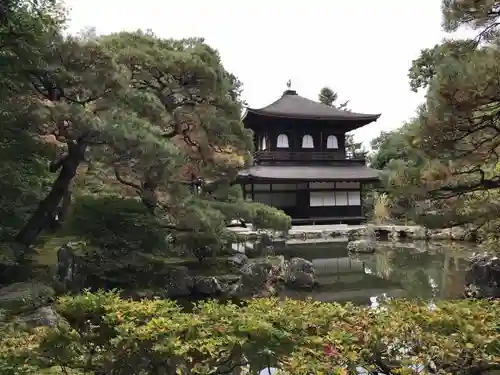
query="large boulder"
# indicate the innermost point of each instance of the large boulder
(483, 277)
(178, 282)
(237, 261)
(257, 279)
(42, 316)
(28, 304)
(208, 286)
(300, 274)
(25, 297)
(361, 246)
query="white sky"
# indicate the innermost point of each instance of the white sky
(360, 48)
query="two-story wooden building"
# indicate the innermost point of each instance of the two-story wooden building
(301, 165)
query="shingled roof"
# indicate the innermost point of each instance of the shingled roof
(312, 173)
(292, 105)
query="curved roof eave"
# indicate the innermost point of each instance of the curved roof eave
(350, 116)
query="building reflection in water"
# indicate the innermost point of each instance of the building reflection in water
(392, 271)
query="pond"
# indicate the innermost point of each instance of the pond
(429, 271)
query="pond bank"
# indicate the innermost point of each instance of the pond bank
(324, 233)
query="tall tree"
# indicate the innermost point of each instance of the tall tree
(402, 163)
(459, 124)
(460, 121)
(160, 115)
(26, 30)
(329, 97)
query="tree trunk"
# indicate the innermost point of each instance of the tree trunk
(42, 216)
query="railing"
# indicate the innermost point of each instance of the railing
(303, 156)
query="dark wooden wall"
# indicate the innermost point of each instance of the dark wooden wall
(295, 130)
(302, 209)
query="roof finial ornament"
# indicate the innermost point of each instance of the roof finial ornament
(289, 83)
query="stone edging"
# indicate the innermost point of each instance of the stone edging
(377, 232)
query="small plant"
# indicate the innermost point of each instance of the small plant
(382, 208)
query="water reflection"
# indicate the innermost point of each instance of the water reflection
(423, 271)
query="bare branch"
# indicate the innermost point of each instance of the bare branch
(123, 181)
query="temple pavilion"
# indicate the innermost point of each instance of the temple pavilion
(301, 165)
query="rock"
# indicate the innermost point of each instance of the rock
(416, 233)
(314, 234)
(361, 246)
(70, 269)
(203, 252)
(440, 234)
(300, 274)
(178, 282)
(483, 277)
(394, 234)
(297, 236)
(43, 316)
(471, 233)
(237, 261)
(208, 286)
(23, 297)
(458, 233)
(256, 279)
(257, 272)
(464, 233)
(338, 233)
(358, 233)
(262, 247)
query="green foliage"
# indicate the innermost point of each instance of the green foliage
(115, 224)
(396, 145)
(403, 164)
(150, 113)
(264, 217)
(111, 335)
(424, 68)
(481, 15)
(24, 177)
(459, 122)
(329, 97)
(449, 152)
(26, 27)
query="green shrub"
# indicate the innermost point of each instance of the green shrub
(115, 224)
(110, 335)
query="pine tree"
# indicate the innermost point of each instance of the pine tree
(162, 116)
(328, 97)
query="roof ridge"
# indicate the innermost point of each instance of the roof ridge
(292, 105)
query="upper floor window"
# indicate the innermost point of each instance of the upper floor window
(307, 141)
(332, 142)
(263, 143)
(282, 141)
